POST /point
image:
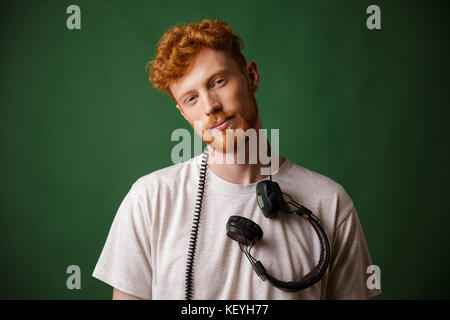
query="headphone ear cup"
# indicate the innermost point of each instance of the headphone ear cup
(269, 196)
(243, 230)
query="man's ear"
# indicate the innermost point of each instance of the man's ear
(177, 105)
(181, 111)
(253, 76)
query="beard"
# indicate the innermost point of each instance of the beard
(233, 138)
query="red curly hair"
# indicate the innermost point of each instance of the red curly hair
(180, 44)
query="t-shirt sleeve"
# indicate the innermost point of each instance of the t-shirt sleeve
(125, 261)
(349, 262)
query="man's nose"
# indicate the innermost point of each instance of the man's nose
(212, 104)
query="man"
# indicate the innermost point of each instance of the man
(201, 67)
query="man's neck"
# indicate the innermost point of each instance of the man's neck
(238, 173)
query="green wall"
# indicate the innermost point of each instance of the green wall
(80, 123)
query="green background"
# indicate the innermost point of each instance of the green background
(80, 123)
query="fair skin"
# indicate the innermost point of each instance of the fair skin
(213, 88)
(120, 295)
(216, 88)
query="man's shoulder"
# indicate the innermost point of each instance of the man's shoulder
(317, 183)
(314, 178)
(170, 175)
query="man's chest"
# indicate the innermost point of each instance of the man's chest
(219, 268)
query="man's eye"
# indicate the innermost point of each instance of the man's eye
(218, 81)
(190, 99)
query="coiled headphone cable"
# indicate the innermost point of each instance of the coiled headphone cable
(195, 226)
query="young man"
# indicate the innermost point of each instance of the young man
(145, 255)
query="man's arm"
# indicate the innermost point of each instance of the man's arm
(125, 261)
(349, 262)
(119, 295)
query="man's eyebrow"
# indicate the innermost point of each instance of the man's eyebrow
(207, 81)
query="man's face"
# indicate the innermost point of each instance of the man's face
(214, 90)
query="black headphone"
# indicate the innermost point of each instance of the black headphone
(246, 232)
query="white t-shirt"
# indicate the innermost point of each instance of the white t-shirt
(146, 250)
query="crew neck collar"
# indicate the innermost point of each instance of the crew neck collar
(220, 184)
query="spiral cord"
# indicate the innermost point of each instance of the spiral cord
(195, 227)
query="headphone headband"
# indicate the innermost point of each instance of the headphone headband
(247, 232)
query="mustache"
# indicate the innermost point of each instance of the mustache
(219, 115)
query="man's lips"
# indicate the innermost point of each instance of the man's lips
(221, 124)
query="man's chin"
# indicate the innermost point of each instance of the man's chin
(226, 141)
(223, 147)
(227, 146)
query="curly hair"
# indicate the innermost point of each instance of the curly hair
(179, 45)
